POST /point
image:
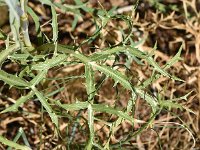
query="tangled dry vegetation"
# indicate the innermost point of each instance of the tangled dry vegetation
(170, 24)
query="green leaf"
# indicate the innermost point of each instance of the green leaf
(35, 19)
(47, 2)
(41, 75)
(97, 56)
(173, 60)
(104, 20)
(157, 67)
(91, 127)
(75, 9)
(170, 104)
(49, 63)
(13, 144)
(97, 108)
(18, 103)
(2, 35)
(114, 111)
(46, 105)
(150, 99)
(114, 74)
(54, 24)
(63, 49)
(74, 106)
(19, 134)
(21, 57)
(90, 83)
(75, 21)
(13, 80)
(6, 52)
(135, 52)
(84, 7)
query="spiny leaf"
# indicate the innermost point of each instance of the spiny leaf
(91, 127)
(69, 8)
(12, 79)
(18, 103)
(54, 24)
(13, 144)
(180, 98)
(41, 75)
(46, 105)
(5, 53)
(152, 101)
(170, 63)
(75, 21)
(98, 56)
(149, 59)
(170, 104)
(74, 106)
(19, 134)
(49, 63)
(47, 2)
(35, 19)
(115, 111)
(157, 67)
(135, 52)
(21, 57)
(173, 60)
(83, 6)
(63, 49)
(114, 74)
(90, 83)
(98, 108)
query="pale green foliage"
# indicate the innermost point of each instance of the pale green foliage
(39, 66)
(13, 144)
(12, 80)
(20, 133)
(90, 83)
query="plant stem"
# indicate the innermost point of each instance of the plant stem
(24, 23)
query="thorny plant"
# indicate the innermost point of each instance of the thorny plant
(37, 61)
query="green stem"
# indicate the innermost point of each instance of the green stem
(24, 23)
